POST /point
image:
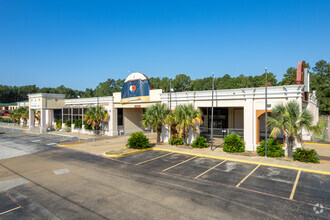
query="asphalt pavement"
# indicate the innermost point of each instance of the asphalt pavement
(68, 184)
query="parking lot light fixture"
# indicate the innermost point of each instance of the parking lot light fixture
(170, 110)
(266, 112)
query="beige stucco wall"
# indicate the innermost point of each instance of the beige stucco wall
(132, 119)
(48, 103)
(52, 103)
(134, 105)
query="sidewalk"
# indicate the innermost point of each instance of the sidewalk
(118, 144)
(36, 131)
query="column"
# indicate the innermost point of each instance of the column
(165, 133)
(72, 125)
(114, 121)
(31, 119)
(249, 122)
(42, 121)
(82, 118)
(51, 118)
(47, 117)
(63, 124)
(111, 119)
(193, 135)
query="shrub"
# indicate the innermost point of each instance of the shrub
(306, 155)
(233, 143)
(68, 123)
(138, 141)
(274, 148)
(176, 140)
(7, 120)
(58, 124)
(78, 124)
(200, 142)
(88, 127)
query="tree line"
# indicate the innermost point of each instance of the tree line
(319, 81)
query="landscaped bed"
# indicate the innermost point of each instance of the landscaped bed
(123, 152)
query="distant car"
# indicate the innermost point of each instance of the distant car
(7, 114)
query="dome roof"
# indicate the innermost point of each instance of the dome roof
(135, 76)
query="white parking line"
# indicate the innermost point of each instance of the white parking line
(51, 144)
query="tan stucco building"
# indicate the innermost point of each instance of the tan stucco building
(235, 110)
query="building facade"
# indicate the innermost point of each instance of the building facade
(241, 111)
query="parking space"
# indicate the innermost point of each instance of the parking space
(11, 210)
(314, 188)
(6, 203)
(230, 173)
(195, 167)
(273, 180)
(165, 162)
(306, 187)
(142, 156)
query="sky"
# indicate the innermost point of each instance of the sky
(80, 43)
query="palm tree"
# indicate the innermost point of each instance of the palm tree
(288, 119)
(37, 116)
(187, 117)
(96, 116)
(20, 113)
(24, 111)
(155, 116)
(15, 116)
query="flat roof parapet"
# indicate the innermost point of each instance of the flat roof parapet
(46, 95)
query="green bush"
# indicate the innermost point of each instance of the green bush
(88, 127)
(306, 155)
(78, 124)
(68, 123)
(233, 143)
(138, 141)
(7, 120)
(200, 142)
(274, 148)
(58, 124)
(176, 140)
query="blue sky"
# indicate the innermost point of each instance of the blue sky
(81, 43)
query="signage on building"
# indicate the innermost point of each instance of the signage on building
(136, 88)
(35, 103)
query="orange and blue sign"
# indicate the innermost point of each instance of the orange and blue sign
(135, 90)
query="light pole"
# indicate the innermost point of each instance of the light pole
(170, 110)
(266, 112)
(212, 112)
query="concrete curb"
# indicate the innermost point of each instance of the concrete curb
(316, 143)
(66, 145)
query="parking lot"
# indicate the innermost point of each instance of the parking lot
(225, 185)
(289, 184)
